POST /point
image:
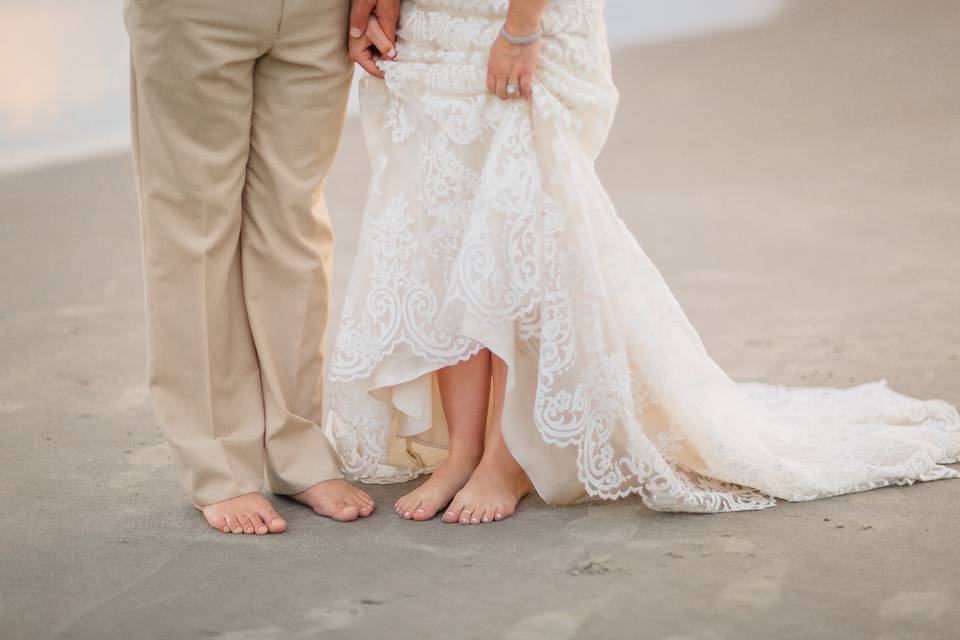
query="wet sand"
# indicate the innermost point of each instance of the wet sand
(796, 183)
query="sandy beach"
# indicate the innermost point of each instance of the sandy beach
(797, 185)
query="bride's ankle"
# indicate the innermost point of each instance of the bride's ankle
(464, 457)
(500, 459)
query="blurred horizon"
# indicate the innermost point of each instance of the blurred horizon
(68, 99)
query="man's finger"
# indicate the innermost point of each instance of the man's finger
(359, 14)
(388, 14)
(379, 39)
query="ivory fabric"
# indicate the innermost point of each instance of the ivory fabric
(486, 227)
(237, 111)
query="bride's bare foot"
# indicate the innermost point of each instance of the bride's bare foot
(492, 493)
(425, 501)
(250, 513)
(336, 499)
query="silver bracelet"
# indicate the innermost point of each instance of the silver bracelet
(521, 40)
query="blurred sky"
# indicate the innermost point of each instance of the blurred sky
(64, 66)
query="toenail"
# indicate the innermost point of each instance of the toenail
(420, 510)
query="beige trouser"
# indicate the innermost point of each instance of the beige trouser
(237, 110)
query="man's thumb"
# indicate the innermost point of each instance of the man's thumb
(359, 15)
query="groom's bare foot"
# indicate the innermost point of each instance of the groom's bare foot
(250, 513)
(492, 493)
(337, 499)
(425, 501)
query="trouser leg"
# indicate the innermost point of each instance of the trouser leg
(300, 94)
(193, 95)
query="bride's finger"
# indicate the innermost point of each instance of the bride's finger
(379, 39)
(513, 88)
(362, 54)
(502, 88)
(526, 85)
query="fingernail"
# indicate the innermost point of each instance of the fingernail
(355, 32)
(392, 53)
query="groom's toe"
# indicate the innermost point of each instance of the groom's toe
(346, 513)
(246, 523)
(259, 527)
(274, 522)
(234, 524)
(220, 524)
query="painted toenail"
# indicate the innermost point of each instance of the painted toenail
(420, 510)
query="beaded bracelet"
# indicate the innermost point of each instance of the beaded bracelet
(521, 40)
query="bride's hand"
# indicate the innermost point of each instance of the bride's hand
(512, 65)
(371, 47)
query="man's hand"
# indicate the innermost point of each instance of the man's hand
(371, 47)
(386, 11)
(373, 32)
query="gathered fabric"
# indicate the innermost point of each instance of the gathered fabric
(486, 227)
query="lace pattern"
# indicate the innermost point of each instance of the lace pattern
(486, 226)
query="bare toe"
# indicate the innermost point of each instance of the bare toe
(345, 513)
(259, 527)
(452, 514)
(409, 508)
(234, 523)
(426, 511)
(336, 499)
(246, 523)
(275, 523)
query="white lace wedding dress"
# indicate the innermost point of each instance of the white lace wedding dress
(486, 226)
